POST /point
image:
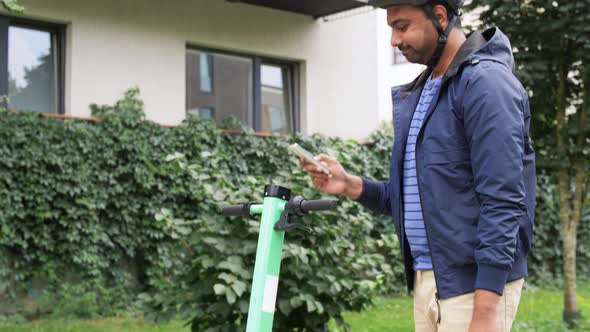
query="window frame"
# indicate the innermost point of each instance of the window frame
(257, 62)
(58, 43)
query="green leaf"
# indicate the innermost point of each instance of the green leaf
(238, 287)
(219, 289)
(13, 6)
(230, 296)
(228, 278)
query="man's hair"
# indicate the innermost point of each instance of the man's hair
(450, 12)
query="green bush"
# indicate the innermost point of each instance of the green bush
(126, 204)
(88, 299)
(340, 266)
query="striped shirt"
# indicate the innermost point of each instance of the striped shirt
(413, 218)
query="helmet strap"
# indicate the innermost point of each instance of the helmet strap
(443, 35)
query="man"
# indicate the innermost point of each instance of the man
(462, 174)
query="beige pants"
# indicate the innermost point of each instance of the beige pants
(456, 312)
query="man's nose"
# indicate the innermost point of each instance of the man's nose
(395, 39)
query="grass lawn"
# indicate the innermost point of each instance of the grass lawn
(96, 325)
(539, 311)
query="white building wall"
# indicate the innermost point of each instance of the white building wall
(114, 45)
(342, 77)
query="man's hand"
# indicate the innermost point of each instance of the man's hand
(485, 312)
(337, 183)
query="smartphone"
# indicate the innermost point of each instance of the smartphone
(301, 152)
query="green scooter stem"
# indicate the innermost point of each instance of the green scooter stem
(275, 222)
(268, 263)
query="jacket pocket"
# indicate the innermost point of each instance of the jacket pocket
(445, 157)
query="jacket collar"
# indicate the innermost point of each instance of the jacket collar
(474, 42)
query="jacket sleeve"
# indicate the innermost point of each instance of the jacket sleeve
(494, 108)
(375, 196)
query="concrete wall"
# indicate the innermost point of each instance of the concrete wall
(113, 45)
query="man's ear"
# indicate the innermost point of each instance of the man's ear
(441, 15)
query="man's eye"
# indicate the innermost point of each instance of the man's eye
(404, 28)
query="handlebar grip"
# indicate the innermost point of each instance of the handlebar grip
(233, 210)
(317, 205)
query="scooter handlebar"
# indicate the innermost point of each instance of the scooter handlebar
(236, 210)
(317, 205)
(297, 205)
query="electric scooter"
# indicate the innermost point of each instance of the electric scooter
(278, 211)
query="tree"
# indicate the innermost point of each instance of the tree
(13, 6)
(551, 41)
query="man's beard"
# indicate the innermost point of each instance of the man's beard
(410, 54)
(413, 56)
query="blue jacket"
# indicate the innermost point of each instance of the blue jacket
(476, 170)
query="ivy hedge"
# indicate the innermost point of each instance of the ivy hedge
(129, 212)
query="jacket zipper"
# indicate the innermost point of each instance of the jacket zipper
(434, 105)
(437, 302)
(436, 295)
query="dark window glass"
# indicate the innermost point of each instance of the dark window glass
(276, 99)
(206, 71)
(259, 93)
(203, 112)
(32, 65)
(227, 94)
(32, 83)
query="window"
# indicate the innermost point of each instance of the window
(206, 71)
(31, 65)
(276, 103)
(228, 93)
(259, 92)
(398, 57)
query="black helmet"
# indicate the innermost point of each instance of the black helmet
(454, 5)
